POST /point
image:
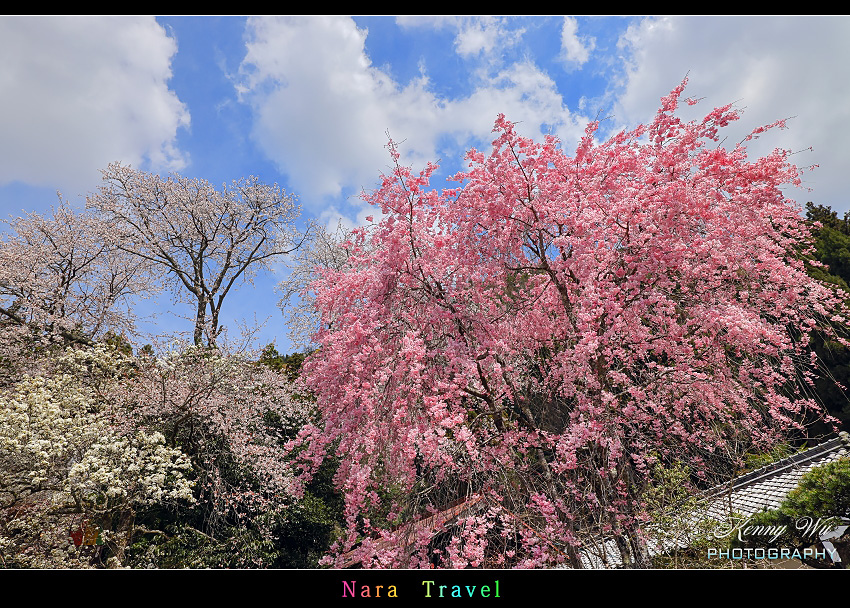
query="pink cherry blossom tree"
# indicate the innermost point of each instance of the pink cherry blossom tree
(532, 342)
(204, 239)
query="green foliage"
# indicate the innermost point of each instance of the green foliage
(758, 460)
(310, 527)
(817, 504)
(832, 247)
(119, 342)
(183, 546)
(677, 524)
(296, 536)
(287, 364)
(822, 492)
(695, 555)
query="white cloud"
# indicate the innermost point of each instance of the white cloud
(432, 21)
(486, 36)
(476, 36)
(522, 92)
(322, 109)
(775, 67)
(575, 51)
(475, 39)
(78, 92)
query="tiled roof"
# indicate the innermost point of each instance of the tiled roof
(759, 490)
(767, 487)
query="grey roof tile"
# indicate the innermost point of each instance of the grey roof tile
(764, 488)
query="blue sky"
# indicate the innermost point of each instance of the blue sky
(307, 101)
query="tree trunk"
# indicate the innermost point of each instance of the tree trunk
(200, 321)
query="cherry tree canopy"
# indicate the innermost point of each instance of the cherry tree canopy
(543, 334)
(65, 274)
(207, 239)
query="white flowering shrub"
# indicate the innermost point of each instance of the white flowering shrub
(46, 423)
(120, 471)
(63, 459)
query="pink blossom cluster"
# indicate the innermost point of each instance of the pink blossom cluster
(550, 328)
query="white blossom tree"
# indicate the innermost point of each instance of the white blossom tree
(64, 277)
(321, 249)
(119, 474)
(204, 239)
